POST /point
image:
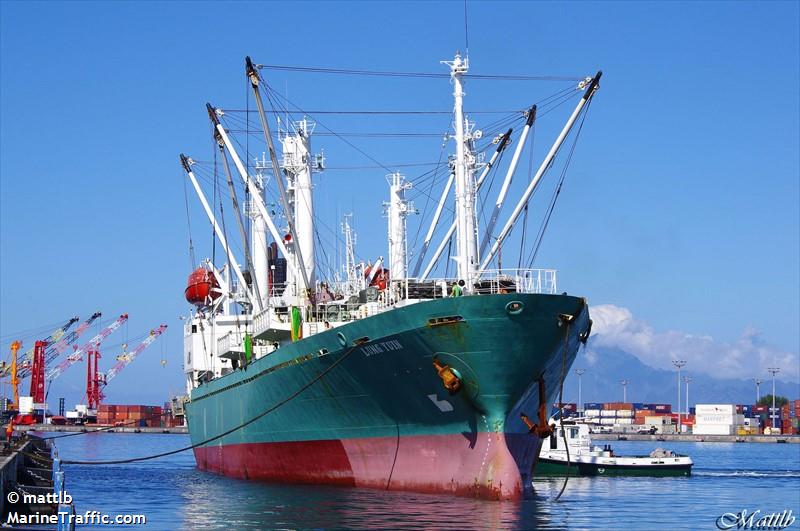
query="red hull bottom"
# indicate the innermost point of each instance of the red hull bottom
(450, 464)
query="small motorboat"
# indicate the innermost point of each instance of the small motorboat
(588, 460)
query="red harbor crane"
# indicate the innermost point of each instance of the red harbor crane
(95, 382)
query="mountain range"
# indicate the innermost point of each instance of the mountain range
(607, 366)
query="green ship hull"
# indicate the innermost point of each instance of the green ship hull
(363, 404)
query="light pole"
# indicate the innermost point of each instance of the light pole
(580, 372)
(679, 364)
(625, 389)
(686, 380)
(773, 371)
(759, 381)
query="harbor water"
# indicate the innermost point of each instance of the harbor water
(173, 494)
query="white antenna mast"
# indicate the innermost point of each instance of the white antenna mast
(397, 210)
(466, 226)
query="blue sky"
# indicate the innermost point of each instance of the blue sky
(681, 204)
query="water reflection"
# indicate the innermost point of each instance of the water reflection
(173, 494)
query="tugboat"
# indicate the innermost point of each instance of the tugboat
(588, 460)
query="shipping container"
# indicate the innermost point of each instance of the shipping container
(617, 405)
(714, 429)
(592, 405)
(626, 413)
(627, 420)
(608, 421)
(608, 413)
(692, 410)
(732, 420)
(663, 408)
(716, 409)
(591, 413)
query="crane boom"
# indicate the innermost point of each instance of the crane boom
(56, 335)
(126, 358)
(77, 355)
(53, 351)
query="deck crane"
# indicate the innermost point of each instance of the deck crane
(54, 351)
(96, 382)
(77, 355)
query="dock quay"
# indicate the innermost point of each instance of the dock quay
(32, 492)
(176, 430)
(688, 437)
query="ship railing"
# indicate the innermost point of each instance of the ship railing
(519, 281)
(230, 342)
(493, 281)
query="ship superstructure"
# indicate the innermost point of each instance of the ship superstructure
(382, 377)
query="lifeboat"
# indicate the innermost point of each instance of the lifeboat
(202, 287)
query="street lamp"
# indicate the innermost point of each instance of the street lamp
(686, 380)
(773, 371)
(759, 381)
(625, 389)
(580, 372)
(679, 364)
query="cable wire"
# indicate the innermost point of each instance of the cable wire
(225, 433)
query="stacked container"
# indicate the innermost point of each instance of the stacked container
(717, 419)
(130, 415)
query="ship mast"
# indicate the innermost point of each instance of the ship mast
(297, 165)
(354, 282)
(466, 225)
(398, 209)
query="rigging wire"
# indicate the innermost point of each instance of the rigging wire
(440, 75)
(427, 200)
(213, 201)
(370, 157)
(525, 220)
(370, 112)
(466, 29)
(261, 415)
(557, 191)
(192, 261)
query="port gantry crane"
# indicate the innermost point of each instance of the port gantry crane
(14, 368)
(96, 382)
(38, 376)
(56, 335)
(54, 351)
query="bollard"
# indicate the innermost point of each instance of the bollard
(58, 483)
(66, 517)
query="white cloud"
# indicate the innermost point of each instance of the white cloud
(749, 355)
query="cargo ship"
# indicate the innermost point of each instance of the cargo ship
(389, 378)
